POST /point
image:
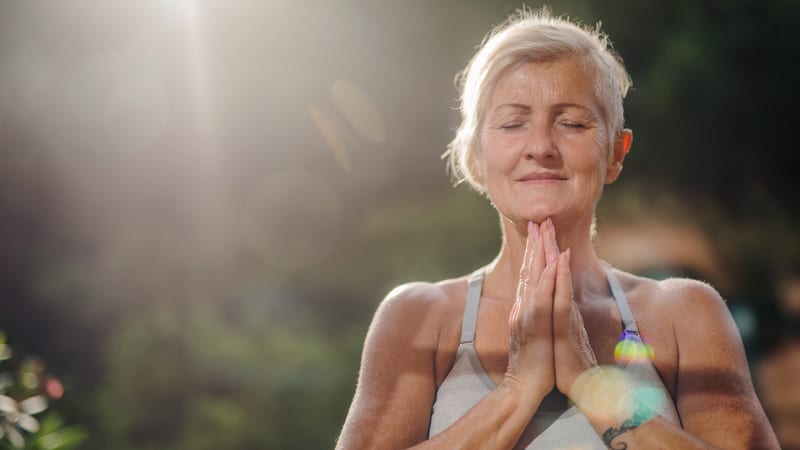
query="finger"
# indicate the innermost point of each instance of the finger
(527, 257)
(514, 325)
(538, 261)
(582, 336)
(543, 298)
(530, 245)
(549, 242)
(562, 301)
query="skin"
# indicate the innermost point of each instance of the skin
(546, 313)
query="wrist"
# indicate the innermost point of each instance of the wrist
(527, 395)
(611, 396)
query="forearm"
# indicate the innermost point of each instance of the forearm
(655, 433)
(625, 419)
(496, 422)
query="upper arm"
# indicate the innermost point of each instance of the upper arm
(715, 395)
(396, 385)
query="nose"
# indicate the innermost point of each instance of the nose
(540, 145)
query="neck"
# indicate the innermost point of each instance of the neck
(588, 274)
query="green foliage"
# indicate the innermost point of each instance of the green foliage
(55, 436)
(238, 377)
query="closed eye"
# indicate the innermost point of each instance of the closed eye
(511, 126)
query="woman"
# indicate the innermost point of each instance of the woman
(521, 354)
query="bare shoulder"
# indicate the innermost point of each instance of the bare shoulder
(696, 313)
(413, 319)
(396, 386)
(423, 302)
(687, 290)
(715, 396)
(675, 314)
(422, 294)
(672, 296)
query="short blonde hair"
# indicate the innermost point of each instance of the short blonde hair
(532, 36)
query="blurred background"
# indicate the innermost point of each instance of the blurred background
(202, 203)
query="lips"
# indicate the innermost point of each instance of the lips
(541, 176)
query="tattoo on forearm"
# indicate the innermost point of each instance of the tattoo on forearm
(612, 433)
(640, 416)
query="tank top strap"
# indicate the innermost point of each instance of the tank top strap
(471, 307)
(622, 303)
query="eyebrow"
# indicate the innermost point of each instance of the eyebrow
(573, 105)
(527, 108)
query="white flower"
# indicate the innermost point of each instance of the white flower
(15, 415)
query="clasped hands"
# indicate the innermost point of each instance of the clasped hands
(548, 343)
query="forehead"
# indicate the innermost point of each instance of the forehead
(563, 80)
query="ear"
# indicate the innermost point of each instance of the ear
(622, 145)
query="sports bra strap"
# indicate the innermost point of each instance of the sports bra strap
(622, 303)
(471, 307)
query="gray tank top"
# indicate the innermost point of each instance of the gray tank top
(467, 383)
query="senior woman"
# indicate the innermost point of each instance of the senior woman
(482, 361)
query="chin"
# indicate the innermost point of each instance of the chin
(540, 214)
(535, 210)
(524, 217)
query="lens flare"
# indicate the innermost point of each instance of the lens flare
(333, 133)
(599, 392)
(359, 110)
(612, 394)
(631, 349)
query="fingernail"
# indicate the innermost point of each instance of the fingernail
(530, 227)
(551, 259)
(549, 223)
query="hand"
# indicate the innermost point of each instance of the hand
(572, 350)
(530, 359)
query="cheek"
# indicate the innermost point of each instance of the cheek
(490, 164)
(497, 152)
(585, 151)
(588, 163)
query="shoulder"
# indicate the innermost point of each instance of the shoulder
(422, 297)
(703, 328)
(672, 295)
(419, 307)
(420, 294)
(714, 394)
(684, 311)
(396, 385)
(696, 306)
(688, 291)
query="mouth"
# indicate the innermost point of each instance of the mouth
(541, 177)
